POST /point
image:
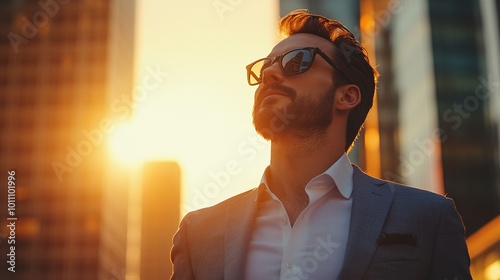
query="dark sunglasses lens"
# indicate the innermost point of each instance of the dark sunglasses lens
(296, 62)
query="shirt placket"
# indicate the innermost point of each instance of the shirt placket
(292, 246)
(286, 232)
(292, 242)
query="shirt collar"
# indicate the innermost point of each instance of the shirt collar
(340, 172)
(263, 191)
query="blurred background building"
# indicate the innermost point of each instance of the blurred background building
(62, 63)
(159, 217)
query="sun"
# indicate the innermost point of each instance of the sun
(124, 144)
(199, 115)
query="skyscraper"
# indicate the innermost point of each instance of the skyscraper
(346, 12)
(446, 133)
(161, 182)
(62, 64)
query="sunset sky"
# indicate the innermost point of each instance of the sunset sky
(197, 110)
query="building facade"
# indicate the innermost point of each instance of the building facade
(446, 130)
(62, 64)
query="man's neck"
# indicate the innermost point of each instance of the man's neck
(292, 168)
(294, 164)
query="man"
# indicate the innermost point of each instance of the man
(315, 215)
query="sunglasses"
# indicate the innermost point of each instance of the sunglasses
(292, 63)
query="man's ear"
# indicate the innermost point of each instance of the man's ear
(347, 97)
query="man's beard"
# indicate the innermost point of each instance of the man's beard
(303, 117)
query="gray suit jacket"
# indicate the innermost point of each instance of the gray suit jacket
(396, 232)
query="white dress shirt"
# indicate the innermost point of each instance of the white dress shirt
(315, 246)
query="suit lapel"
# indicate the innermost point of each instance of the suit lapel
(240, 216)
(372, 199)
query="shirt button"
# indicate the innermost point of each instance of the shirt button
(283, 219)
(289, 264)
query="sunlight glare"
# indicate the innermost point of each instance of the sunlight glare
(198, 115)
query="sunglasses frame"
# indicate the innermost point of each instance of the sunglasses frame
(312, 50)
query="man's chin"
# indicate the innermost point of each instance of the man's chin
(275, 130)
(264, 130)
(270, 130)
(263, 124)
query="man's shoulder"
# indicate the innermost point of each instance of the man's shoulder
(401, 190)
(223, 206)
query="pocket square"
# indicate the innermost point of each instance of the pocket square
(387, 238)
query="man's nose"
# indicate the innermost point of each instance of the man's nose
(273, 74)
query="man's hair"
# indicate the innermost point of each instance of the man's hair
(349, 56)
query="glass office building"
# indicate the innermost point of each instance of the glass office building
(62, 63)
(446, 129)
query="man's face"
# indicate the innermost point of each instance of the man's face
(299, 105)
